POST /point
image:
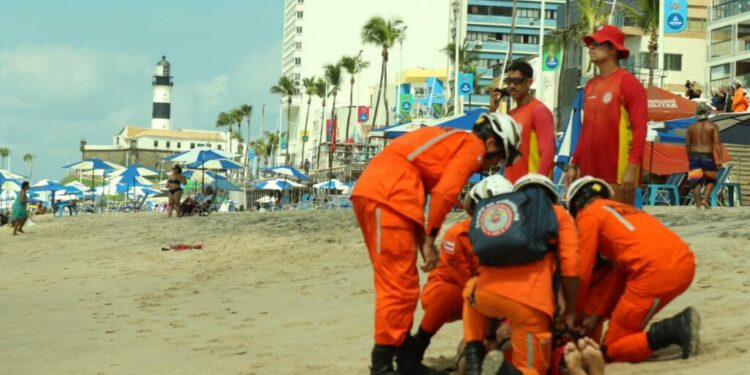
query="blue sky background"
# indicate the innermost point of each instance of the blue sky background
(82, 69)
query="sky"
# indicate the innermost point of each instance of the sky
(73, 69)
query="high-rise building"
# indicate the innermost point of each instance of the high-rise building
(728, 38)
(319, 32)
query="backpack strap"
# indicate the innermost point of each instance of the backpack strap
(424, 147)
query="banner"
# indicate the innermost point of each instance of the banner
(304, 135)
(551, 61)
(282, 142)
(363, 114)
(407, 103)
(331, 133)
(675, 16)
(465, 84)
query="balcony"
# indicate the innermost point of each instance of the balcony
(487, 46)
(522, 22)
(730, 8)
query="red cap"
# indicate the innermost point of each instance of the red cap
(611, 34)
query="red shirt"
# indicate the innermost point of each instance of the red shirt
(537, 140)
(614, 126)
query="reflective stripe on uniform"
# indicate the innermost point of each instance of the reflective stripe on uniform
(651, 312)
(414, 154)
(622, 219)
(378, 230)
(530, 350)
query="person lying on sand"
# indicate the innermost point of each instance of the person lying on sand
(585, 358)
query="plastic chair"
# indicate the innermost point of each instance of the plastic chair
(303, 201)
(733, 189)
(667, 193)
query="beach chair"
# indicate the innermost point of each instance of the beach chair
(732, 190)
(311, 200)
(303, 201)
(667, 193)
(61, 206)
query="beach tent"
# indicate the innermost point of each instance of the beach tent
(664, 106)
(668, 158)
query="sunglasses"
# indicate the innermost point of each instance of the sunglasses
(515, 81)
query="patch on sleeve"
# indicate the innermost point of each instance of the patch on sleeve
(449, 246)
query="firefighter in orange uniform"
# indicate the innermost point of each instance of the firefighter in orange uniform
(651, 266)
(523, 294)
(389, 202)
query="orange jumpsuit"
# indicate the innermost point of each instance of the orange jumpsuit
(652, 266)
(523, 294)
(442, 296)
(389, 202)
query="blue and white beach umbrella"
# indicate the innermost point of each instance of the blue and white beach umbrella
(216, 164)
(47, 185)
(289, 171)
(198, 155)
(332, 184)
(134, 170)
(9, 175)
(94, 164)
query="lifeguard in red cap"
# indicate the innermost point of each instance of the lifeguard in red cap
(614, 125)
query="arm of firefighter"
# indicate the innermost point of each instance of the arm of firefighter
(457, 171)
(569, 262)
(636, 104)
(612, 288)
(588, 243)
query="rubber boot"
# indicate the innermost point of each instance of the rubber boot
(382, 360)
(681, 329)
(474, 354)
(409, 359)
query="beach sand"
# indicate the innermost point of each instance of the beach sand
(273, 293)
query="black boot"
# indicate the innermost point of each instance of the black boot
(681, 329)
(382, 360)
(508, 369)
(474, 354)
(409, 358)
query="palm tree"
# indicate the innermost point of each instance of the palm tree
(379, 32)
(287, 89)
(261, 148)
(333, 78)
(29, 159)
(247, 113)
(309, 84)
(224, 119)
(647, 19)
(271, 140)
(591, 15)
(321, 91)
(4, 152)
(468, 60)
(352, 65)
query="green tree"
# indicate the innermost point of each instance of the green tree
(591, 15)
(646, 17)
(384, 34)
(321, 91)
(4, 152)
(309, 85)
(286, 89)
(29, 159)
(272, 142)
(224, 119)
(333, 78)
(352, 65)
(260, 147)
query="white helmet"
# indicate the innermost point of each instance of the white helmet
(583, 189)
(508, 130)
(537, 179)
(488, 188)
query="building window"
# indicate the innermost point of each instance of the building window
(743, 36)
(299, 14)
(300, 1)
(179, 145)
(192, 146)
(527, 13)
(219, 147)
(719, 75)
(696, 24)
(298, 45)
(299, 29)
(169, 144)
(298, 61)
(296, 76)
(550, 14)
(117, 140)
(721, 41)
(673, 62)
(156, 143)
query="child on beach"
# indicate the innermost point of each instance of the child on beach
(18, 214)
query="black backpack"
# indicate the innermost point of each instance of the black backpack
(513, 228)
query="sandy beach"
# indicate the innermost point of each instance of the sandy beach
(272, 293)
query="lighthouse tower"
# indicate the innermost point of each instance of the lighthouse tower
(162, 95)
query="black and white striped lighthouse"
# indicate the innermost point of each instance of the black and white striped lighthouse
(162, 95)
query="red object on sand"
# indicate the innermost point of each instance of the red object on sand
(181, 247)
(665, 106)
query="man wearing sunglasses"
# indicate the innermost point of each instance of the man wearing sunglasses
(614, 123)
(537, 123)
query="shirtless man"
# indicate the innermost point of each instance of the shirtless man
(701, 141)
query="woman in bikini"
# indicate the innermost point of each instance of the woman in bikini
(174, 184)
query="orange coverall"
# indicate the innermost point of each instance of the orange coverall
(442, 296)
(523, 294)
(652, 266)
(389, 202)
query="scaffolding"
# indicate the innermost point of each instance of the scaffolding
(349, 160)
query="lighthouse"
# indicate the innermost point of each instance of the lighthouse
(162, 95)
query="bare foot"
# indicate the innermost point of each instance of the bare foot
(573, 359)
(706, 205)
(593, 360)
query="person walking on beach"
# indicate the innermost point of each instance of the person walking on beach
(613, 134)
(652, 266)
(174, 184)
(19, 215)
(389, 202)
(702, 142)
(537, 122)
(522, 291)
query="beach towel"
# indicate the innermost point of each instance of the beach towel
(181, 247)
